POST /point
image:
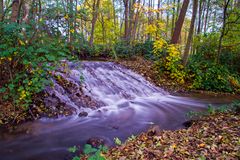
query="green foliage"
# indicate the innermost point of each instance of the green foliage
(76, 158)
(123, 49)
(91, 152)
(234, 106)
(208, 75)
(72, 149)
(117, 141)
(144, 49)
(27, 61)
(131, 138)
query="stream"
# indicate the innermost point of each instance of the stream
(124, 103)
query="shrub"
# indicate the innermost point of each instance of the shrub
(169, 60)
(208, 75)
(26, 61)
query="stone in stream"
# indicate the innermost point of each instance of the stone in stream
(188, 124)
(83, 114)
(96, 142)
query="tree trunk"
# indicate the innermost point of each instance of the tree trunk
(131, 21)
(94, 19)
(178, 7)
(15, 10)
(179, 23)
(201, 5)
(126, 16)
(206, 16)
(226, 4)
(173, 17)
(158, 7)
(135, 22)
(1, 10)
(26, 7)
(167, 21)
(190, 35)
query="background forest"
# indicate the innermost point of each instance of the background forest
(195, 42)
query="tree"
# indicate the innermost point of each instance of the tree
(200, 12)
(206, 16)
(126, 16)
(1, 10)
(179, 23)
(15, 10)
(225, 9)
(96, 4)
(191, 31)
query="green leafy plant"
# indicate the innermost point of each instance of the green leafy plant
(92, 153)
(27, 64)
(72, 149)
(117, 141)
(131, 138)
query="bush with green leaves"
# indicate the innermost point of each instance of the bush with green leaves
(91, 152)
(123, 49)
(209, 76)
(26, 61)
(144, 49)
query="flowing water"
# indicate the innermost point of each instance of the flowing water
(124, 104)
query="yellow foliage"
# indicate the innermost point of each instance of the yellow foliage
(21, 42)
(66, 16)
(171, 63)
(234, 82)
(150, 29)
(159, 45)
(71, 30)
(78, 8)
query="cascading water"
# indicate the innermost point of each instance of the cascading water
(118, 101)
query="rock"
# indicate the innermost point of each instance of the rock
(96, 141)
(154, 130)
(83, 114)
(188, 124)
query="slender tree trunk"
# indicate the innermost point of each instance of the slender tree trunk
(1, 10)
(179, 23)
(94, 19)
(226, 4)
(178, 7)
(201, 5)
(206, 16)
(173, 17)
(167, 23)
(158, 7)
(191, 31)
(135, 23)
(126, 16)
(26, 8)
(15, 10)
(103, 29)
(131, 21)
(203, 15)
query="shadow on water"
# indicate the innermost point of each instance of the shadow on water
(128, 105)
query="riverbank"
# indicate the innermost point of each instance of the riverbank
(215, 136)
(13, 115)
(146, 68)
